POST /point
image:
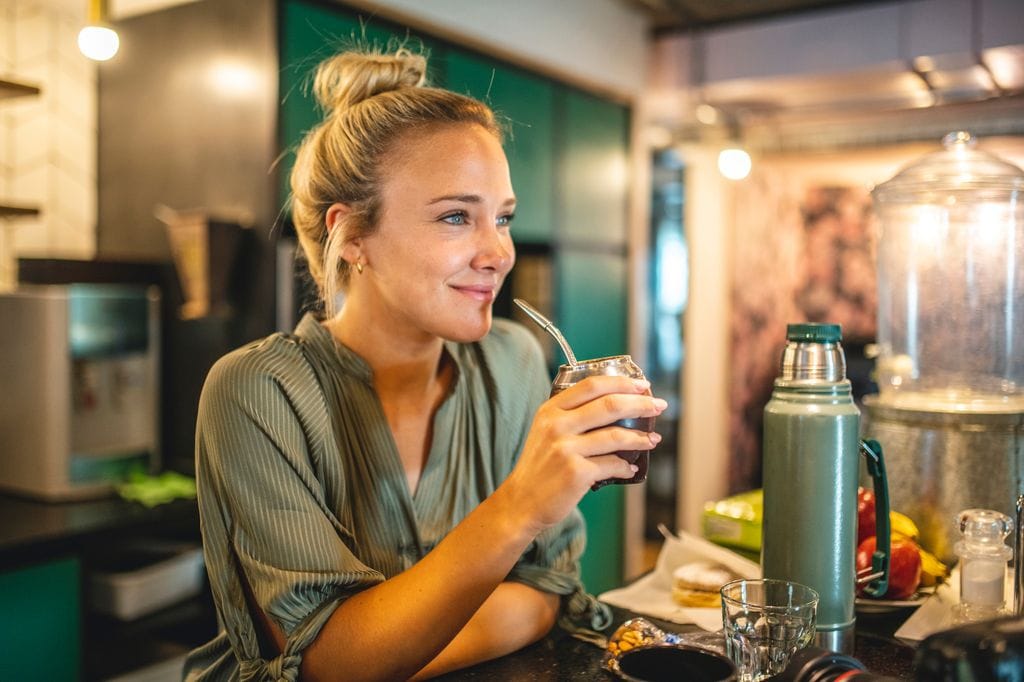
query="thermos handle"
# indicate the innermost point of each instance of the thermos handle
(877, 578)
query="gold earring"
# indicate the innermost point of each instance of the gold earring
(359, 267)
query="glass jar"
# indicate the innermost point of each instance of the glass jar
(951, 282)
(983, 557)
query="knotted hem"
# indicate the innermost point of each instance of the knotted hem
(285, 668)
(585, 618)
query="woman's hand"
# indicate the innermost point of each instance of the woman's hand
(571, 446)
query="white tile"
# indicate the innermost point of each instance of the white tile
(7, 33)
(74, 238)
(74, 149)
(6, 145)
(65, 39)
(77, 97)
(29, 185)
(31, 139)
(73, 196)
(34, 36)
(30, 237)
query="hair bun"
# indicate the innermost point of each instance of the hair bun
(351, 77)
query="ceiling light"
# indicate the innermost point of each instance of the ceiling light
(734, 163)
(706, 114)
(98, 41)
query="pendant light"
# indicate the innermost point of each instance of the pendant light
(98, 41)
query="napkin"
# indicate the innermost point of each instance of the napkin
(939, 611)
(651, 595)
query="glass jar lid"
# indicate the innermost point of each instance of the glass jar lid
(957, 169)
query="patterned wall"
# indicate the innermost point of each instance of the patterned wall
(48, 141)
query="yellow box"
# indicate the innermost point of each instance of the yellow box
(735, 522)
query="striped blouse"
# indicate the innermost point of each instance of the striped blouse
(302, 491)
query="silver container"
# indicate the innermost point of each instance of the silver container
(942, 462)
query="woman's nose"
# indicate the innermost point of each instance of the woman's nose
(495, 251)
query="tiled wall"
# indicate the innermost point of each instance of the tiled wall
(48, 141)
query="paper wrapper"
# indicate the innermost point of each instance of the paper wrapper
(651, 595)
(939, 611)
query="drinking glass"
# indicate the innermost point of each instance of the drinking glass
(765, 621)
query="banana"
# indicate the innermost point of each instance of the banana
(902, 524)
(933, 571)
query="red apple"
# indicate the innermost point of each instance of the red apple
(865, 514)
(904, 565)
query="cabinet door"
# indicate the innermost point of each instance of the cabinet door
(592, 302)
(523, 104)
(309, 33)
(39, 622)
(592, 314)
(594, 171)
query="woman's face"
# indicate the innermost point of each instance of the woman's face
(442, 248)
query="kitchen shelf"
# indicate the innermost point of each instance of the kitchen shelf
(8, 211)
(10, 89)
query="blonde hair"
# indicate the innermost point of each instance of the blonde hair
(370, 101)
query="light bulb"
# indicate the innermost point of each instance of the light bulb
(98, 42)
(734, 163)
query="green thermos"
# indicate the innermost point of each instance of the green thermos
(811, 466)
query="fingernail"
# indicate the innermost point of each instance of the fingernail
(642, 384)
(660, 403)
(634, 468)
(655, 437)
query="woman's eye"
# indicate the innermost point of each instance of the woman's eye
(455, 218)
(506, 219)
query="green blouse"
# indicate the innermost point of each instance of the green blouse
(302, 491)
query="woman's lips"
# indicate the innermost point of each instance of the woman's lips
(484, 294)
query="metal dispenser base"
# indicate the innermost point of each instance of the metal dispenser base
(942, 462)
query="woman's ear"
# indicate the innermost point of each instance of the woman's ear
(336, 213)
(351, 249)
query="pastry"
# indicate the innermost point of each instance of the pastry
(697, 584)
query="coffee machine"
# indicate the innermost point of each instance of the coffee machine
(950, 369)
(79, 410)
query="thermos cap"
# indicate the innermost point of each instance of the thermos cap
(814, 333)
(813, 354)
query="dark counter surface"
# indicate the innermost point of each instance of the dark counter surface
(31, 530)
(560, 657)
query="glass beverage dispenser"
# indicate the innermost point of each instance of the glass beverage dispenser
(950, 370)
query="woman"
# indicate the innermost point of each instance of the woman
(386, 494)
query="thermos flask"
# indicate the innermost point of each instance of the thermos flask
(810, 471)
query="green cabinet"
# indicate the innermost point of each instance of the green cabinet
(592, 311)
(592, 302)
(524, 105)
(39, 622)
(594, 171)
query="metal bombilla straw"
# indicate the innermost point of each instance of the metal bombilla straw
(548, 326)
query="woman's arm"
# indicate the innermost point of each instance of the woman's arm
(395, 628)
(514, 616)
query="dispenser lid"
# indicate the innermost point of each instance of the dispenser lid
(958, 167)
(814, 333)
(984, 526)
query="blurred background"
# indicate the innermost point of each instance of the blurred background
(144, 232)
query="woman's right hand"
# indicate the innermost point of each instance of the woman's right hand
(571, 446)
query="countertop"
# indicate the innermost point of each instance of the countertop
(31, 530)
(563, 658)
